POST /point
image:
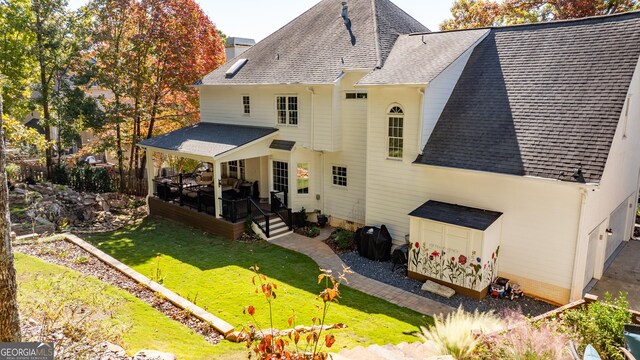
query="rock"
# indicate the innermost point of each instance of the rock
(154, 355)
(110, 350)
(438, 289)
(117, 203)
(236, 336)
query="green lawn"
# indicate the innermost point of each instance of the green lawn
(147, 327)
(216, 271)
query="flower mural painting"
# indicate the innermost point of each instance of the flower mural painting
(457, 268)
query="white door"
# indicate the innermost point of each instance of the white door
(618, 226)
(591, 256)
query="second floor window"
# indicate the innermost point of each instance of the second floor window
(246, 105)
(287, 110)
(395, 134)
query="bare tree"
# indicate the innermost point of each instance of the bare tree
(9, 316)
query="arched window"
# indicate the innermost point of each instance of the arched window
(395, 133)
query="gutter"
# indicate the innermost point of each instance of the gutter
(577, 280)
(421, 91)
(313, 117)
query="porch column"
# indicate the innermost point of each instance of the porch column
(150, 174)
(217, 188)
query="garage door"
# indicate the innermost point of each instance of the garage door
(618, 226)
(591, 255)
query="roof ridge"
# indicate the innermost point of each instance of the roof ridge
(540, 23)
(376, 32)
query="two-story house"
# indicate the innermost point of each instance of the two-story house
(510, 151)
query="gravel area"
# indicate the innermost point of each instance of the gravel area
(381, 271)
(66, 254)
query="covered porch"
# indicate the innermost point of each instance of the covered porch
(214, 177)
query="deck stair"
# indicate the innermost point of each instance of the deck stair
(402, 351)
(277, 227)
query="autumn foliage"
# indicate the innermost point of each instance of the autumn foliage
(147, 54)
(299, 342)
(467, 14)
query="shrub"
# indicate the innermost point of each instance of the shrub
(526, 341)
(13, 170)
(344, 239)
(455, 335)
(314, 231)
(600, 324)
(270, 345)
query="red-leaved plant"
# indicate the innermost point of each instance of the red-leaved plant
(274, 345)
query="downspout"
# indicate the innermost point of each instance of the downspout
(313, 117)
(578, 276)
(421, 119)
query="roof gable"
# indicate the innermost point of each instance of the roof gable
(420, 58)
(539, 100)
(316, 46)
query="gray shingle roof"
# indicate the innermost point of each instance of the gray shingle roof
(282, 145)
(456, 214)
(207, 139)
(537, 99)
(418, 59)
(315, 47)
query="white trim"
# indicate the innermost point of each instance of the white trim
(346, 176)
(388, 117)
(303, 195)
(287, 118)
(245, 114)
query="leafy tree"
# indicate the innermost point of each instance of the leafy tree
(481, 13)
(16, 60)
(113, 31)
(57, 45)
(468, 14)
(9, 315)
(177, 27)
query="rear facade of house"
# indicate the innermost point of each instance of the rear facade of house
(494, 152)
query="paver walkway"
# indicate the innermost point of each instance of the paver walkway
(623, 275)
(327, 259)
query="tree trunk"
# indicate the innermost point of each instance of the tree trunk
(119, 144)
(44, 92)
(9, 316)
(152, 120)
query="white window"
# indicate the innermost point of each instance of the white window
(339, 174)
(395, 133)
(355, 95)
(280, 176)
(287, 110)
(302, 174)
(246, 105)
(233, 169)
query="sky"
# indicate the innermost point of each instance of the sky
(256, 19)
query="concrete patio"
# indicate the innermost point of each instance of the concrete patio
(623, 275)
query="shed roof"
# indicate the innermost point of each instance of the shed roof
(207, 139)
(459, 215)
(540, 100)
(316, 46)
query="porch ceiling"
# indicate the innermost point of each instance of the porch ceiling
(208, 139)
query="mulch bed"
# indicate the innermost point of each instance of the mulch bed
(333, 244)
(71, 256)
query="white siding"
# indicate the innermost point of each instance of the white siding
(539, 225)
(348, 203)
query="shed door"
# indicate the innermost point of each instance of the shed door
(591, 256)
(617, 224)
